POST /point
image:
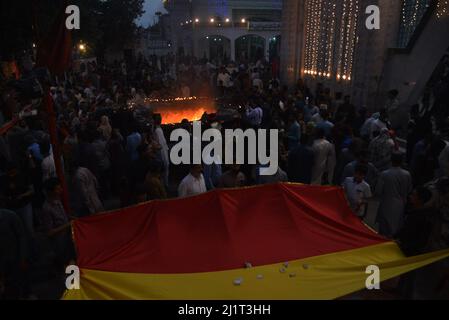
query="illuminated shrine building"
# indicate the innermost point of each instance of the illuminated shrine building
(327, 41)
(226, 30)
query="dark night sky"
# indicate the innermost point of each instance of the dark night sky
(150, 6)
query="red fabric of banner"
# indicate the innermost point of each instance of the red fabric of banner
(221, 230)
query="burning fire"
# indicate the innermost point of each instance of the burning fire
(177, 109)
(148, 100)
(176, 115)
(174, 110)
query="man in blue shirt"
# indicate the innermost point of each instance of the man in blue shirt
(133, 141)
(309, 111)
(325, 124)
(300, 162)
(294, 132)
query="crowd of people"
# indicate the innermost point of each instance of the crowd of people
(115, 153)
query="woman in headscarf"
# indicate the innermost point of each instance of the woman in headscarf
(381, 149)
(105, 128)
(366, 129)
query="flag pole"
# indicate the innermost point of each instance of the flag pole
(54, 53)
(52, 128)
(8, 126)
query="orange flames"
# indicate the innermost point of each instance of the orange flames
(175, 115)
(183, 108)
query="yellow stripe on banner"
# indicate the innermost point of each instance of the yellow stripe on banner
(323, 277)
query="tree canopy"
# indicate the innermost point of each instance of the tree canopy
(105, 24)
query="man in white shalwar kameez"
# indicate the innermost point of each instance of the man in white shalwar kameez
(160, 138)
(393, 187)
(325, 159)
(193, 183)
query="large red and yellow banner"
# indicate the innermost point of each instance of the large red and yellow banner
(282, 241)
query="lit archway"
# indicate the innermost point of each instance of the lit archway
(216, 48)
(249, 48)
(274, 49)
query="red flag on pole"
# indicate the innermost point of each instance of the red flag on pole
(48, 102)
(8, 126)
(54, 52)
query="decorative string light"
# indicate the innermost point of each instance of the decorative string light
(412, 13)
(320, 36)
(325, 50)
(347, 39)
(308, 23)
(352, 40)
(442, 8)
(330, 40)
